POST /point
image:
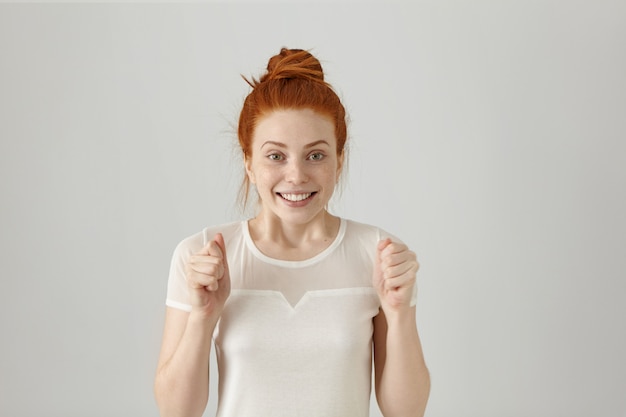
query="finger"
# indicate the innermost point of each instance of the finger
(203, 281)
(399, 283)
(394, 248)
(408, 268)
(207, 266)
(398, 259)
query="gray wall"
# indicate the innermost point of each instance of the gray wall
(489, 135)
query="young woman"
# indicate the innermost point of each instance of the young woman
(295, 299)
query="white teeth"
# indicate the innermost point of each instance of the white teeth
(296, 197)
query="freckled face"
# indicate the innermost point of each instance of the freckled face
(294, 164)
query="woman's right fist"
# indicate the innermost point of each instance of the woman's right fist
(208, 277)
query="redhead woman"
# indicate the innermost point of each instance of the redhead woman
(296, 301)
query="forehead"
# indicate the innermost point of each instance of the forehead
(294, 128)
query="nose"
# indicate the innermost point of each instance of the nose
(296, 172)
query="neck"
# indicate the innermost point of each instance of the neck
(274, 229)
(282, 240)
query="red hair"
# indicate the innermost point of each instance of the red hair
(294, 80)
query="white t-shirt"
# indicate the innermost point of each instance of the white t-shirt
(295, 337)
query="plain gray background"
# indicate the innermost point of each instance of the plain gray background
(489, 135)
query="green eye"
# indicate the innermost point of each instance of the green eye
(275, 157)
(317, 156)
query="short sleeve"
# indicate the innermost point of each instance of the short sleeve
(177, 290)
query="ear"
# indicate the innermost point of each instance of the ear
(247, 161)
(340, 159)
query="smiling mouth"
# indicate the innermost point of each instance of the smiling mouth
(296, 197)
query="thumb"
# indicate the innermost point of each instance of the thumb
(382, 244)
(219, 239)
(206, 250)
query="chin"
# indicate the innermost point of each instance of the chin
(299, 218)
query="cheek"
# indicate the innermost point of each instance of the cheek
(332, 173)
(264, 178)
(257, 172)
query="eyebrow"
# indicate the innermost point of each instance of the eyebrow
(282, 145)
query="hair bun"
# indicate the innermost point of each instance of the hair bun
(293, 63)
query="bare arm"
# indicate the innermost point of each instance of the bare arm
(182, 381)
(401, 376)
(181, 385)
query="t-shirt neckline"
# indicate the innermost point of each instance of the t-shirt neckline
(293, 264)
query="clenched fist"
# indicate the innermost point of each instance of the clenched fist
(395, 269)
(208, 277)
